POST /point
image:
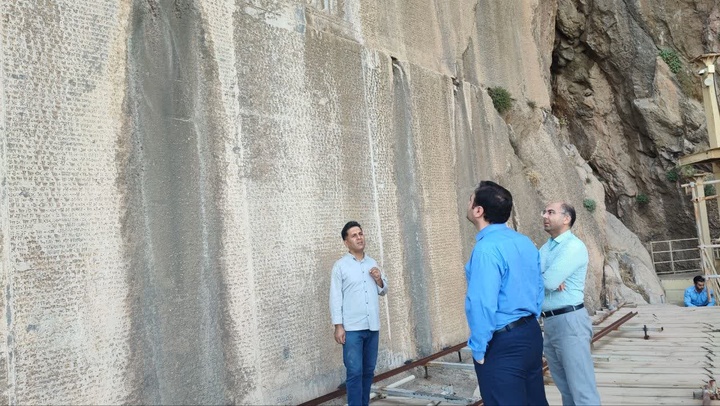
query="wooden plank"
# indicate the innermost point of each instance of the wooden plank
(655, 370)
(679, 352)
(646, 400)
(657, 341)
(680, 380)
(652, 358)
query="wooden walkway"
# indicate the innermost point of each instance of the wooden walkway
(662, 370)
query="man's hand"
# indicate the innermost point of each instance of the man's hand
(482, 361)
(561, 287)
(339, 334)
(375, 273)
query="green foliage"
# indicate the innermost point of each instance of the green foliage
(642, 199)
(501, 99)
(672, 175)
(709, 190)
(590, 205)
(672, 60)
(687, 171)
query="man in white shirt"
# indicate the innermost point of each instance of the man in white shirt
(355, 286)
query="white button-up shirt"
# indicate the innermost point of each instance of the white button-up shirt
(354, 294)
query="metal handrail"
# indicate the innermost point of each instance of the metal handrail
(673, 253)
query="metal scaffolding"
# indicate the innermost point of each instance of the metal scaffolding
(710, 156)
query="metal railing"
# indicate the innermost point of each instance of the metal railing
(676, 256)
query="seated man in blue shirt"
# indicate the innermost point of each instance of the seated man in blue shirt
(568, 329)
(355, 285)
(504, 295)
(698, 295)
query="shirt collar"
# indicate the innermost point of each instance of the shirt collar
(351, 256)
(489, 229)
(562, 237)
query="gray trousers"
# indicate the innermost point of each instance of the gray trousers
(567, 349)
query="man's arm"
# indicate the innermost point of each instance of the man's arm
(336, 304)
(336, 295)
(380, 280)
(481, 303)
(540, 284)
(688, 298)
(712, 298)
(574, 256)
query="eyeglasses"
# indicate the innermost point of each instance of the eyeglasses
(551, 212)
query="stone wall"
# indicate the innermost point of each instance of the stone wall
(175, 175)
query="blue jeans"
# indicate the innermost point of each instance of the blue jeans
(567, 349)
(360, 355)
(512, 372)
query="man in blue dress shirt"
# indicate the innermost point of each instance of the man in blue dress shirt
(698, 295)
(568, 329)
(355, 285)
(504, 295)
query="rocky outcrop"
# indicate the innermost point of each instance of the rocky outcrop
(629, 272)
(628, 114)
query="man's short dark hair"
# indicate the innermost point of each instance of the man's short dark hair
(697, 279)
(567, 208)
(495, 200)
(349, 225)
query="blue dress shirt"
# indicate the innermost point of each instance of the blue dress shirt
(563, 259)
(354, 294)
(695, 299)
(504, 283)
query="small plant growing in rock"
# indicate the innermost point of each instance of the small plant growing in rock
(642, 199)
(672, 60)
(533, 177)
(590, 205)
(501, 98)
(687, 171)
(672, 175)
(563, 121)
(709, 190)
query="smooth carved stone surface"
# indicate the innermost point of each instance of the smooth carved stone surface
(174, 176)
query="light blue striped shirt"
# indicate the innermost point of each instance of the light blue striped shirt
(503, 283)
(354, 294)
(563, 259)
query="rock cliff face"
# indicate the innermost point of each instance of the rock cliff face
(629, 114)
(175, 174)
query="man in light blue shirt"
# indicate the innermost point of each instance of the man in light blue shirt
(568, 329)
(355, 285)
(504, 295)
(697, 295)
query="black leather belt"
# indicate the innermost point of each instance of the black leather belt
(562, 310)
(514, 324)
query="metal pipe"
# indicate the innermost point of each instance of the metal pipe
(403, 381)
(385, 375)
(423, 362)
(607, 330)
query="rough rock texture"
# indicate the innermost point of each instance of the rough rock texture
(174, 176)
(628, 114)
(631, 268)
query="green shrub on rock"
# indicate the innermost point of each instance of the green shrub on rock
(590, 205)
(501, 99)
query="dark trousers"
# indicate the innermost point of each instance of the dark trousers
(359, 355)
(512, 372)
